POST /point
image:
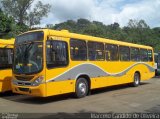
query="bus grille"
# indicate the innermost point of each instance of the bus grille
(24, 89)
(24, 83)
(26, 78)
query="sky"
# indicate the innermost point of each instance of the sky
(106, 11)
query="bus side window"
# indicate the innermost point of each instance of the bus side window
(91, 51)
(144, 55)
(57, 54)
(150, 55)
(134, 54)
(124, 53)
(108, 57)
(78, 50)
(95, 50)
(111, 52)
(5, 58)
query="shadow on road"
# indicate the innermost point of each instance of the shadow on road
(8, 94)
(41, 100)
(155, 109)
(82, 114)
(62, 115)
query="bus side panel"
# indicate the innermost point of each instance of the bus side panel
(67, 86)
(125, 71)
(146, 73)
(112, 68)
(127, 77)
(5, 80)
(58, 86)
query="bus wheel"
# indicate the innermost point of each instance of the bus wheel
(81, 88)
(136, 81)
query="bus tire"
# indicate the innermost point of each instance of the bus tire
(81, 88)
(136, 79)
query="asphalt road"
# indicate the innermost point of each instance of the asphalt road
(116, 99)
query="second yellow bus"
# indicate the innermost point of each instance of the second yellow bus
(6, 55)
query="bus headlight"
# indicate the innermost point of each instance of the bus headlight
(14, 82)
(38, 81)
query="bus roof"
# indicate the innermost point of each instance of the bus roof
(67, 34)
(7, 41)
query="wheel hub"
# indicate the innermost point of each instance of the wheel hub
(137, 79)
(82, 88)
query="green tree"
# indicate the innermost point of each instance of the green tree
(138, 32)
(39, 11)
(21, 12)
(69, 25)
(6, 24)
(94, 31)
(114, 31)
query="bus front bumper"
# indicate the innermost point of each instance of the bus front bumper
(30, 90)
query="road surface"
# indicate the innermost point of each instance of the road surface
(115, 99)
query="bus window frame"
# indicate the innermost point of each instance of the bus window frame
(42, 58)
(151, 55)
(103, 50)
(128, 55)
(118, 58)
(68, 58)
(6, 68)
(141, 55)
(70, 49)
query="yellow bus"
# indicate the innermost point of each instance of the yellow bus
(6, 55)
(49, 62)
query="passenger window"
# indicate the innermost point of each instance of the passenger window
(124, 53)
(6, 56)
(144, 55)
(135, 54)
(78, 49)
(95, 51)
(150, 55)
(57, 55)
(111, 52)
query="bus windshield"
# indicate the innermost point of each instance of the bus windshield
(28, 58)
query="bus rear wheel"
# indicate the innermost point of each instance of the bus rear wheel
(81, 88)
(136, 80)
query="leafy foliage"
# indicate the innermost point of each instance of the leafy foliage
(21, 11)
(6, 24)
(8, 27)
(40, 11)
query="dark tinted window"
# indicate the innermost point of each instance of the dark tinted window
(124, 53)
(6, 56)
(95, 51)
(158, 61)
(28, 58)
(135, 54)
(29, 37)
(144, 55)
(56, 53)
(150, 55)
(111, 52)
(78, 49)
